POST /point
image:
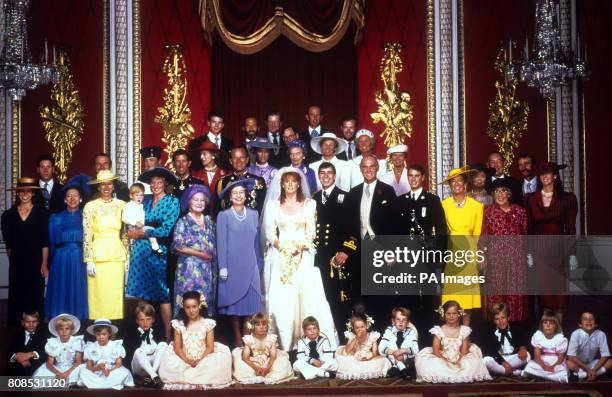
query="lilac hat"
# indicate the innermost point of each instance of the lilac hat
(191, 191)
(297, 143)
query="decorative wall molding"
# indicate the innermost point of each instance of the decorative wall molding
(445, 66)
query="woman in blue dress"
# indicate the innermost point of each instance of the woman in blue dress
(67, 283)
(240, 260)
(147, 274)
(194, 243)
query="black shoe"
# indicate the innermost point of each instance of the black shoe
(332, 374)
(405, 374)
(393, 372)
(572, 377)
(148, 382)
(158, 382)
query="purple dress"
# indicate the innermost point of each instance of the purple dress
(240, 294)
(267, 172)
(192, 272)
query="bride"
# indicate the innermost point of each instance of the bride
(292, 283)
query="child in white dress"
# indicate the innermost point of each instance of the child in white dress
(549, 347)
(133, 214)
(585, 345)
(64, 350)
(315, 356)
(104, 359)
(260, 361)
(359, 359)
(399, 344)
(194, 360)
(452, 358)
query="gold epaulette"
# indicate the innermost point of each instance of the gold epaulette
(350, 244)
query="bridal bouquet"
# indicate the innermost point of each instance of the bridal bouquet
(291, 253)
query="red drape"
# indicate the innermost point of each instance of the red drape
(486, 23)
(78, 27)
(286, 78)
(243, 17)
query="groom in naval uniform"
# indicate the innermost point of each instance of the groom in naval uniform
(333, 244)
(420, 215)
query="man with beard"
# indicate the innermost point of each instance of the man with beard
(348, 126)
(250, 129)
(526, 164)
(239, 159)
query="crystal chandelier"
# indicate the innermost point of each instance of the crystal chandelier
(17, 72)
(551, 66)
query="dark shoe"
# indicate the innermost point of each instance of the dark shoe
(148, 382)
(158, 382)
(157, 252)
(332, 374)
(394, 372)
(572, 377)
(405, 374)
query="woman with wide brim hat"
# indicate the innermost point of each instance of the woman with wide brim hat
(262, 168)
(103, 250)
(148, 278)
(552, 213)
(67, 281)
(464, 222)
(194, 244)
(24, 227)
(329, 152)
(316, 142)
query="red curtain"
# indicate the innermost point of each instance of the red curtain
(286, 78)
(78, 27)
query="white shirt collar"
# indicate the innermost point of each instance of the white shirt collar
(417, 193)
(317, 129)
(329, 190)
(212, 137)
(49, 183)
(262, 165)
(502, 176)
(371, 185)
(330, 160)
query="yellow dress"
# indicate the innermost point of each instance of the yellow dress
(102, 245)
(464, 221)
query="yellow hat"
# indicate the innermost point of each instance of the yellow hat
(103, 176)
(456, 172)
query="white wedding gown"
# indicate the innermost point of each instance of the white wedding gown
(302, 295)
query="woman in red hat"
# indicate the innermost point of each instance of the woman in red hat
(552, 211)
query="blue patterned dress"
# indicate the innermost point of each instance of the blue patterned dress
(147, 276)
(67, 283)
(194, 273)
(267, 173)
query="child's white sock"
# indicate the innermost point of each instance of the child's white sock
(401, 366)
(154, 245)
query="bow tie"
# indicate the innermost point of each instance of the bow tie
(503, 334)
(146, 335)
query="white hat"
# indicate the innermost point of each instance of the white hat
(363, 131)
(102, 322)
(397, 149)
(315, 143)
(75, 322)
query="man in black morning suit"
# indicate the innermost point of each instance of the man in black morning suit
(334, 245)
(214, 134)
(369, 214)
(50, 194)
(420, 214)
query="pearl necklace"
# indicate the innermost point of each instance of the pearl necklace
(239, 217)
(547, 194)
(461, 204)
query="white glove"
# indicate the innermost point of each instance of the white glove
(91, 269)
(573, 262)
(530, 261)
(223, 273)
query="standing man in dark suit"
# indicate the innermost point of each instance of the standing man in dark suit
(314, 117)
(27, 352)
(250, 130)
(497, 162)
(274, 136)
(215, 127)
(334, 245)
(50, 195)
(419, 214)
(348, 127)
(370, 210)
(526, 166)
(121, 190)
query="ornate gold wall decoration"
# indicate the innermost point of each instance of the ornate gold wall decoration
(63, 121)
(507, 114)
(175, 115)
(394, 107)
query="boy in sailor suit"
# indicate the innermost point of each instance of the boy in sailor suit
(400, 343)
(315, 357)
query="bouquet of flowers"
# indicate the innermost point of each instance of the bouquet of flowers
(291, 252)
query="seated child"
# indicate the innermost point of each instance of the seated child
(133, 214)
(585, 345)
(359, 359)
(144, 352)
(452, 358)
(315, 357)
(549, 346)
(400, 343)
(505, 348)
(64, 351)
(104, 359)
(28, 349)
(259, 361)
(194, 360)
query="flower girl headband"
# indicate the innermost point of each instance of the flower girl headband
(369, 323)
(203, 302)
(440, 311)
